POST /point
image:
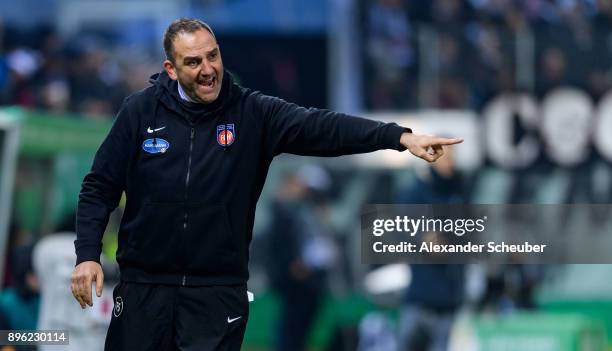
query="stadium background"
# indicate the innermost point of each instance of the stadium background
(526, 83)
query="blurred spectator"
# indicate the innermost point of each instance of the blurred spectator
(22, 65)
(94, 81)
(440, 183)
(19, 303)
(19, 236)
(436, 291)
(376, 333)
(450, 15)
(389, 46)
(553, 68)
(511, 288)
(300, 254)
(453, 57)
(54, 259)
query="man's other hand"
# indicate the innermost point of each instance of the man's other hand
(82, 277)
(427, 147)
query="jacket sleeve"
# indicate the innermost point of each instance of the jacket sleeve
(315, 132)
(103, 185)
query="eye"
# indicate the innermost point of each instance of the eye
(192, 64)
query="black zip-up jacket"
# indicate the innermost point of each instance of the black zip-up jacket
(192, 177)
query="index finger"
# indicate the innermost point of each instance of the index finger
(446, 141)
(87, 297)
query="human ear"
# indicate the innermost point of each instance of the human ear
(170, 69)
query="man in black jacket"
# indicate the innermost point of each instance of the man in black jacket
(191, 153)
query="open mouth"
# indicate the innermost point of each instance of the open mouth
(208, 83)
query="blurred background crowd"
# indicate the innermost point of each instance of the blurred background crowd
(415, 54)
(437, 66)
(476, 49)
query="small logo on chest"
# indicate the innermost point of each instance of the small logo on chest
(155, 145)
(226, 134)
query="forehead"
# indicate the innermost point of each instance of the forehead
(197, 43)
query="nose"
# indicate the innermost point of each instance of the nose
(206, 68)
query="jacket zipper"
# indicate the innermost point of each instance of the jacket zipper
(186, 216)
(189, 164)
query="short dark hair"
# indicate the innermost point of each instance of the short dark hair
(182, 25)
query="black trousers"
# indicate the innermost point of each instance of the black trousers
(166, 317)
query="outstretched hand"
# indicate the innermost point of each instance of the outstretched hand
(427, 147)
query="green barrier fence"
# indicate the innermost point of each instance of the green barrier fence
(55, 152)
(596, 309)
(48, 135)
(540, 332)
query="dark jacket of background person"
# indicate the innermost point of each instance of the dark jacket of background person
(286, 240)
(436, 286)
(19, 304)
(190, 207)
(299, 287)
(436, 291)
(299, 256)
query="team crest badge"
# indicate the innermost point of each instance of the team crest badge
(226, 134)
(118, 308)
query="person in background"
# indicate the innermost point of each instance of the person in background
(53, 262)
(300, 254)
(436, 291)
(19, 303)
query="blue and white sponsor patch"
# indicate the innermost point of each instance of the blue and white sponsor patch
(155, 145)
